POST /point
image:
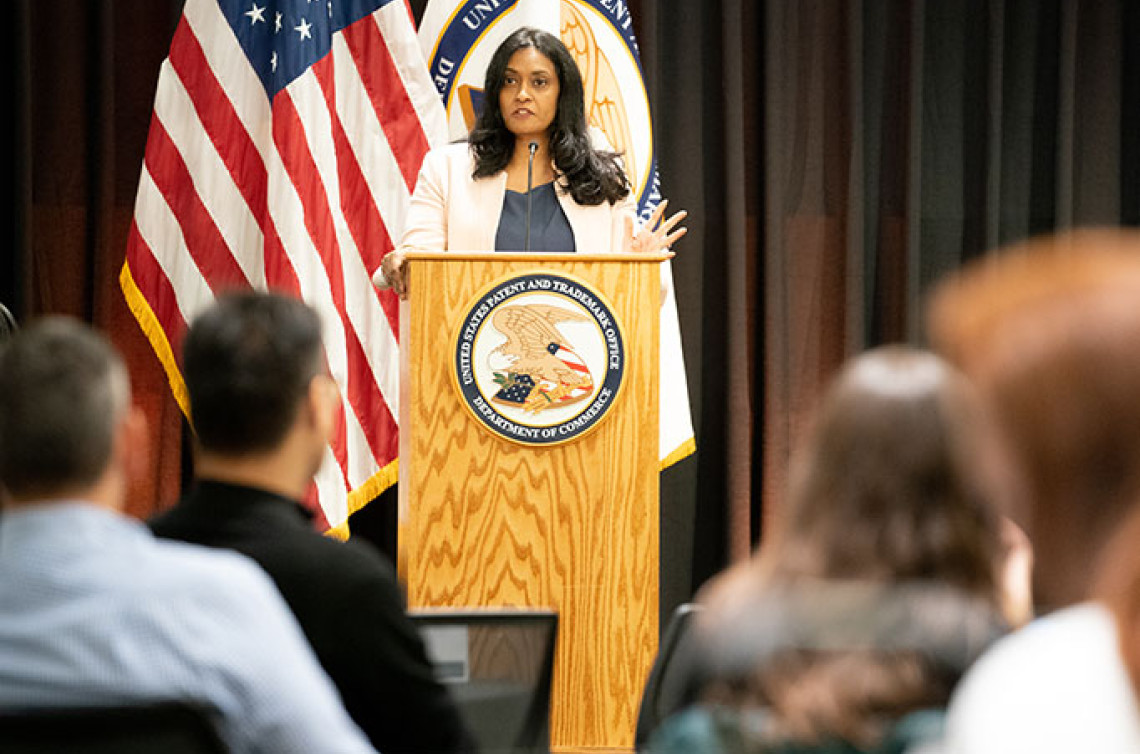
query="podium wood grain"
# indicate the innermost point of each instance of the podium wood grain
(487, 522)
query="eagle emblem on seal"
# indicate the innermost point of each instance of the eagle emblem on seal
(536, 368)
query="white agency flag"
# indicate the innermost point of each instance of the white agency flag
(458, 38)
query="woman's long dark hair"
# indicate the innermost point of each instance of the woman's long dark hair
(590, 176)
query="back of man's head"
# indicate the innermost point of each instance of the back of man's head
(248, 361)
(63, 388)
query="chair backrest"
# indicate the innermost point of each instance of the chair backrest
(8, 325)
(499, 666)
(665, 688)
(167, 727)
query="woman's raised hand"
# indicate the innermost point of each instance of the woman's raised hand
(655, 235)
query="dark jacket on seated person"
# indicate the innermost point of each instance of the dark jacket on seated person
(349, 604)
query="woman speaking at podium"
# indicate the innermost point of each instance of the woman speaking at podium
(529, 177)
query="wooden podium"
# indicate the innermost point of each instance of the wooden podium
(572, 524)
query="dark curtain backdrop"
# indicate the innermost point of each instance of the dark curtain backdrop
(82, 80)
(836, 159)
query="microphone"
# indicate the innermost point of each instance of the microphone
(529, 185)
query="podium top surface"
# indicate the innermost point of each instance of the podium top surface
(532, 256)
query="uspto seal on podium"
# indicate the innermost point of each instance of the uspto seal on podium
(539, 358)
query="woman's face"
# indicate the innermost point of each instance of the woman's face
(529, 97)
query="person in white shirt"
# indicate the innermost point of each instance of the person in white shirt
(1050, 333)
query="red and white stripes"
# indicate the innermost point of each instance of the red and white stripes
(302, 195)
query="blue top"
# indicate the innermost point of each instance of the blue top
(95, 611)
(710, 729)
(549, 228)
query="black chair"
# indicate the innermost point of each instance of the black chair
(666, 689)
(499, 666)
(166, 727)
(8, 325)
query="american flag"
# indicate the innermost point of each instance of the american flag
(284, 146)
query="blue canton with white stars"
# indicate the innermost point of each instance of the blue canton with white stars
(518, 390)
(282, 38)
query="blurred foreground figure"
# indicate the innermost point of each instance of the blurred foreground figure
(881, 584)
(1049, 330)
(95, 611)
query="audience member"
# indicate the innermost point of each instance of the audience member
(880, 585)
(1049, 331)
(94, 610)
(1118, 588)
(263, 409)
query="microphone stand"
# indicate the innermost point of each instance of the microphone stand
(529, 185)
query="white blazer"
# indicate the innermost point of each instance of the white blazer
(451, 211)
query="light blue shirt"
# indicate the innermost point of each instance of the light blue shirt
(95, 610)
